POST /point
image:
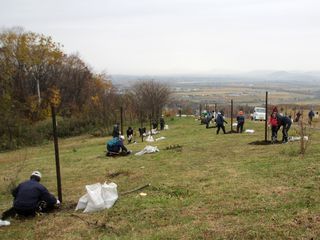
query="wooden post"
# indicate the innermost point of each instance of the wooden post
(141, 125)
(150, 125)
(56, 151)
(231, 115)
(121, 120)
(266, 120)
(200, 109)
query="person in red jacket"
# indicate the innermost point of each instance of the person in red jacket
(273, 121)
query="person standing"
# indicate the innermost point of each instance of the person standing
(129, 134)
(162, 123)
(220, 122)
(240, 122)
(310, 115)
(274, 127)
(116, 130)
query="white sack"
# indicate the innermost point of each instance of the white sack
(160, 138)
(95, 200)
(109, 194)
(249, 131)
(166, 127)
(4, 223)
(149, 139)
(147, 149)
(98, 197)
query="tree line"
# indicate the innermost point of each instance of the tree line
(33, 66)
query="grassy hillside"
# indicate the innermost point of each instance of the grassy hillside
(216, 187)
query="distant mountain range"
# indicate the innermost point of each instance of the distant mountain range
(312, 77)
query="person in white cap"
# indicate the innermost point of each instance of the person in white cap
(31, 197)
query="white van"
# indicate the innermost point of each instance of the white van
(259, 113)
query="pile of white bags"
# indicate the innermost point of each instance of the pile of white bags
(98, 197)
(147, 149)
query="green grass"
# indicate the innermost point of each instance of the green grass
(216, 187)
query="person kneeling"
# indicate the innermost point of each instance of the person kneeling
(31, 197)
(116, 147)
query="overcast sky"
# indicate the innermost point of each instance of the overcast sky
(177, 36)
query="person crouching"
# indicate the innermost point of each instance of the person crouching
(116, 147)
(31, 197)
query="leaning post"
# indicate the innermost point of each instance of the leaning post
(54, 101)
(121, 120)
(231, 116)
(266, 120)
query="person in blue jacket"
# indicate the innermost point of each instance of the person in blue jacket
(285, 122)
(240, 122)
(31, 197)
(115, 147)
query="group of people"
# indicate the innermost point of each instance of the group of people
(219, 120)
(276, 121)
(115, 146)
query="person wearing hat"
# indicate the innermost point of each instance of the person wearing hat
(31, 197)
(116, 147)
(240, 121)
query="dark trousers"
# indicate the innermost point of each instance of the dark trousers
(274, 130)
(285, 129)
(240, 127)
(222, 127)
(41, 207)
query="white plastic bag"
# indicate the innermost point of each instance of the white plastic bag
(98, 197)
(95, 200)
(109, 194)
(4, 223)
(160, 138)
(249, 131)
(147, 149)
(149, 139)
(82, 203)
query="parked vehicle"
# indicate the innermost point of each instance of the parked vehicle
(259, 113)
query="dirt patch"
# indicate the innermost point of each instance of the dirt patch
(113, 174)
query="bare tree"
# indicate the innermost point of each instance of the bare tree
(150, 98)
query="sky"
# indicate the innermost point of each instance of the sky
(177, 36)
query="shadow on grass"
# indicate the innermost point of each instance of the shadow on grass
(263, 143)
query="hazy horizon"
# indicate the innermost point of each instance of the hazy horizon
(153, 37)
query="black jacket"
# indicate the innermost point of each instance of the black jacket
(29, 193)
(240, 119)
(283, 120)
(220, 120)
